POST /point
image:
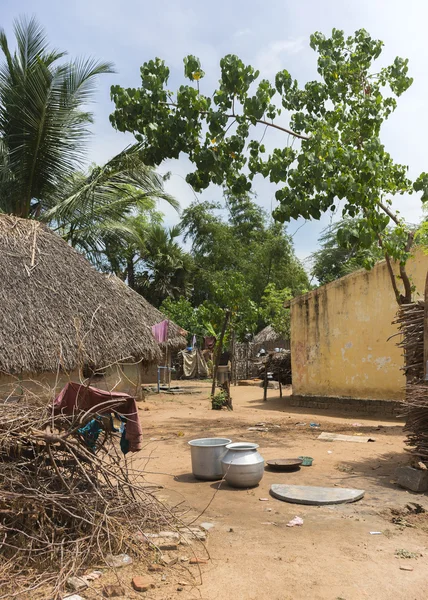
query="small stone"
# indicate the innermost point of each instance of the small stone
(406, 568)
(165, 545)
(142, 584)
(120, 560)
(207, 526)
(113, 591)
(76, 584)
(169, 534)
(93, 576)
(155, 568)
(415, 480)
(231, 530)
(198, 561)
(74, 597)
(179, 589)
(184, 559)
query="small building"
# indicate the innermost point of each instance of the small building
(342, 344)
(247, 363)
(269, 339)
(62, 320)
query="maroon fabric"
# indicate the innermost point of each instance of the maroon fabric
(75, 396)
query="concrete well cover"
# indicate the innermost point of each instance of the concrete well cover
(305, 494)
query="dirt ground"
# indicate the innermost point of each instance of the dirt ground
(253, 555)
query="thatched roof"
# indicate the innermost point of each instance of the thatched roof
(176, 340)
(56, 308)
(268, 334)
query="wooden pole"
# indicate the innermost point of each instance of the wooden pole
(426, 328)
(233, 361)
(219, 349)
(265, 382)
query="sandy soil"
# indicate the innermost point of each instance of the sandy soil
(253, 555)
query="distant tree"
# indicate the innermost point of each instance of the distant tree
(164, 269)
(273, 310)
(340, 252)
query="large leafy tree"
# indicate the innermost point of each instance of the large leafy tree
(44, 120)
(238, 252)
(240, 239)
(332, 153)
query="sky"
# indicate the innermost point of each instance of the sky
(269, 34)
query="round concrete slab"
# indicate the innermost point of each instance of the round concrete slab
(318, 496)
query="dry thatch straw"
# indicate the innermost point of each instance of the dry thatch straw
(268, 334)
(176, 337)
(64, 507)
(57, 309)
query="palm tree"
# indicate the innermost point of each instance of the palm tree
(43, 118)
(167, 267)
(107, 206)
(43, 131)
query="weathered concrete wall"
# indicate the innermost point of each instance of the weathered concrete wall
(339, 336)
(121, 378)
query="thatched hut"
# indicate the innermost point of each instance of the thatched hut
(176, 335)
(269, 339)
(61, 319)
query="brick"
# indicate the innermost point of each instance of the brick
(142, 584)
(412, 479)
(198, 561)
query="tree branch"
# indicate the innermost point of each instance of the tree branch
(391, 272)
(389, 213)
(261, 121)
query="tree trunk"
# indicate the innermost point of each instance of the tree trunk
(219, 349)
(131, 272)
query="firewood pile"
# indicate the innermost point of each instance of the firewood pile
(64, 505)
(279, 364)
(417, 420)
(410, 320)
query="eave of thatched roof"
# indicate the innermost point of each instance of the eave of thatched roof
(268, 334)
(176, 340)
(56, 309)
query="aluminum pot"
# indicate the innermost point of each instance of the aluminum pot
(243, 466)
(206, 457)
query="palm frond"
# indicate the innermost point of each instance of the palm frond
(42, 120)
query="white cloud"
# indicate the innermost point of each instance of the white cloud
(270, 59)
(242, 32)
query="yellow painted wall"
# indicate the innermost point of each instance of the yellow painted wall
(339, 336)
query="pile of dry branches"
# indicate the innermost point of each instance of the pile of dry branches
(417, 419)
(410, 321)
(64, 507)
(279, 364)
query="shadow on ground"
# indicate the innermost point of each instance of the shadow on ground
(278, 404)
(379, 470)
